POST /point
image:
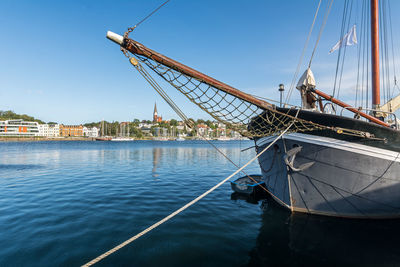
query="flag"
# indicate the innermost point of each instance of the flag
(349, 39)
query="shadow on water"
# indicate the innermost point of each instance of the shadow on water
(300, 239)
(19, 167)
(252, 198)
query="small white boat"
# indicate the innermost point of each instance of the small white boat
(160, 139)
(247, 185)
(122, 139)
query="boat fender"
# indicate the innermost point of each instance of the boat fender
(290, 157)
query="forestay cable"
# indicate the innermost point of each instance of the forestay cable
(302, 56)
(180, 113)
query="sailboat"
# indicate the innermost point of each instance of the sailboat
(123, 134)
(325, 164)
(103, 137)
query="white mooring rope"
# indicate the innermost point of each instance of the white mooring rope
(173, 214)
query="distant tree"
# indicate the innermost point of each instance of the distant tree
(192, 133)
(10, 115)
(136, 132)
(93, 124)
(173, 122)
(164, 124)
(200, 121)
(153, 130)
(136, 122)
(210, 124)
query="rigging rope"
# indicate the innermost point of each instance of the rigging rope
(302, 56)
(328, 10)
(344, 53)
(344, 18)
(368, 56)
(359, 48)
(180, 113)
(242, 116)
(130, 29)
(178, 211)
(393, 56)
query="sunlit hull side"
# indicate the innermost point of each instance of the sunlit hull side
(347, 179)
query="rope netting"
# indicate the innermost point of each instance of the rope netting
(237, 114)
(248, 115)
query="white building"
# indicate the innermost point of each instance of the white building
(145, 125)
(18, 128)
(91, 132)
(203, 130)
(49, 130)
(180, 127)
(220, 125)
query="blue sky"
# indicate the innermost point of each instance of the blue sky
(57, 65)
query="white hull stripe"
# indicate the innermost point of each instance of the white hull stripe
(340, 144)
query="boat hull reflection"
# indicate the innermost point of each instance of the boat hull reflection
(287, 238)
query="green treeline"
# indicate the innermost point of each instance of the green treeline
(128, 128)
(10, 115)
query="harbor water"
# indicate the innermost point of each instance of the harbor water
(65, 203)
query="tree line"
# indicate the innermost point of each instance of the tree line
(11, 115)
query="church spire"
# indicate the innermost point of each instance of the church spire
(156, 118)
(155, 109)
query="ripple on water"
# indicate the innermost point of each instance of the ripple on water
(63, 203)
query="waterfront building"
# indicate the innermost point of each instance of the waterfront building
(145, 125)
(18, 128)
(157, 131)
(160, 132)
(49, 130)
(235, 135)
(202, 130)
(71, 130)
(221, 132)
(221, 125)
(91, 132)
(146, 130)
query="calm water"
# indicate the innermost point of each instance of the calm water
(65, 203)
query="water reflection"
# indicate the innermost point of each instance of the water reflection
(299, 239)
(156, 159)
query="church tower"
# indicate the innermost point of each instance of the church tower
(156, 118)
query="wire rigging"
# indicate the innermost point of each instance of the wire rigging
(328, 10)
(359, 50)
(302, 55)
(148, 16)
(130, 29)
(344, 52)
(344, 18)
(393, 55)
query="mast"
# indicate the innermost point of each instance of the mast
(375, 54)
